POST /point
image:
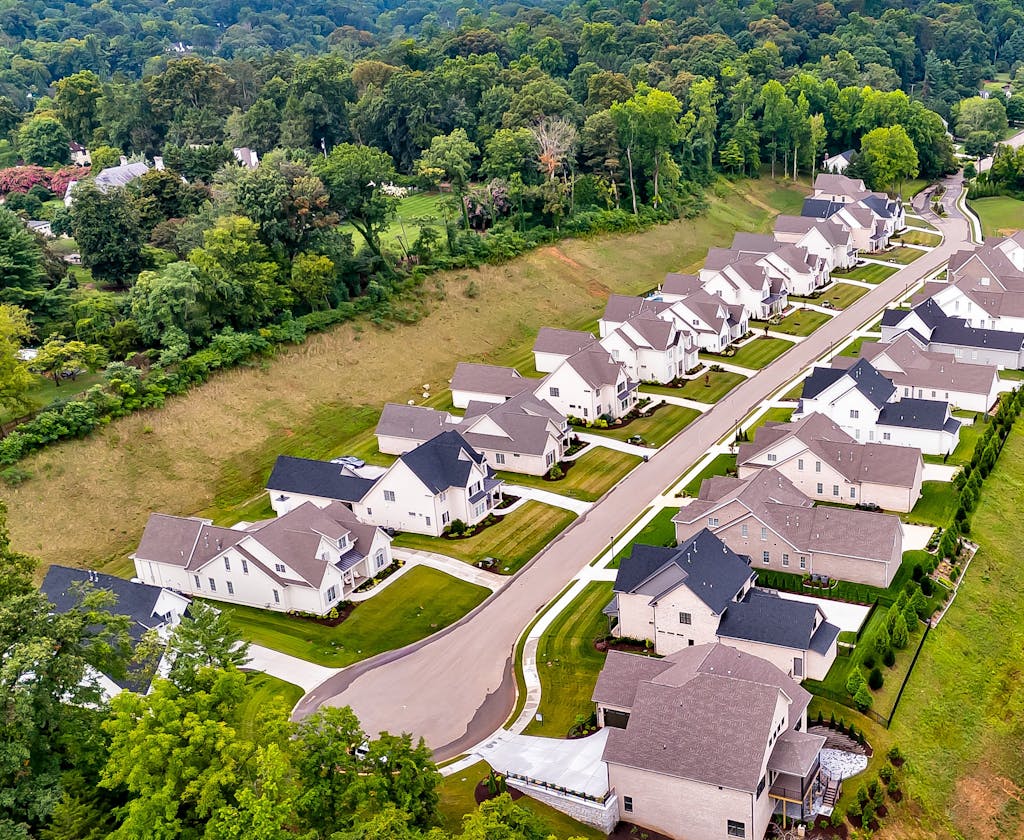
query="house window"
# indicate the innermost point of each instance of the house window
(886, 436)
(906, 391)
(277, 596)
(772, 458)
(853, 492)
(231, 588)
(378, 559)
(764, 533)
(785, 559)
(766, 557)
(198, 584)
(817, 466)
(213, 585)
(245, 566)
(734, 828)
(499, 457)
(428, 521)
(743, 531)
(389, 495)
(712, 521)
(332, 593)
(798, 666)
(445, 517)
(835, 489)
(854, 414)
(803, 562)
(227, 564)
(627, 804)
(684, 618)
(821, 488)
(799, 463)
(442, 495)
(553, 392)
(479, 509)
(280, 567)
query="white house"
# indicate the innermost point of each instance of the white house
(789, 266)
(836, 164)
(554, 346)
(827, 239)
(309, 558)
(487, 383)
(866, 405)
(742, 281)
(715, 323)
(589, 384)
(246, 157)
(653, 349)
(828, 465)
(425, 490)
(872, 217)
(113, 177)
(706, 743)
(703, 592)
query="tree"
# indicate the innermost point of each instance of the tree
(875, 679)
(863, 699)
(21, 260)
(42, 140)
(977, 114)
(263, 808)
(648, 126)
(979, 144)
(889, 156)
(15, 378)
(554, 139)
(854, 681)
(900, 637)
(204, 639)
(509, 152)
(103, 157)
(397, 771)
(77, 99)
(452, 155)
(108, 233)
(703, 99)
(60, 358)
(327, 766)
(354, 176)
(313, 278)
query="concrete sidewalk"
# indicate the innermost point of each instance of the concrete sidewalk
(306, 675)
(680, 401)
(451, 566)
(617, 445)
(548, 498)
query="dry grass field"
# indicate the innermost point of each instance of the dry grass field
(211, 450)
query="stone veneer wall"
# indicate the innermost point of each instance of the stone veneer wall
(603, 816)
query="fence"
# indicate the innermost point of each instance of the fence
(600, 800)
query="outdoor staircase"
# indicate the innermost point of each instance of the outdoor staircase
(832, 791)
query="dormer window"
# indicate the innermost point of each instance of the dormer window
(343, 542)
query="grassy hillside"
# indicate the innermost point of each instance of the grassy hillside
(88, 500)
(999, 214)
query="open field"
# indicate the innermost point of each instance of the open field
(264, 690)
(591, 476)
(800, 322)
(421, 602)
(656, 430)
(413, 211)
(999, 214)
(720, 465)
(568, 663)
(868, 273)
(719, 383)
(511, 542)
(659, 531)
(215, 445)
(755, 354)
(457, 800)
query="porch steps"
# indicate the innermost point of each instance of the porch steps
(831, 793)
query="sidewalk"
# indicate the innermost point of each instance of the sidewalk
(548, 498)
(450, 566)
(617, 445)
(306, 675)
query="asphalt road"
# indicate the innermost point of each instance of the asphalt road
(455, 688)
(1014, 142)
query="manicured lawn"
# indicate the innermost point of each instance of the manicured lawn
(591, 476)
(719, 466)
(513, 541)
(659, 531)
(999, 214)
(965, 449)
(868, 273)
(917, 221)
(263, 691)
(1012, 375)
(658, 429)
(794, 392)
(800, 322)
(839, 296)
(422, 602)
(719, 383)
(903, 256)
(43, 391)
(916, 237)
(936, 505)
(853, 348)
(413, 212)
(568, 663)
(456, 793)
(755, 354)
(772, 415)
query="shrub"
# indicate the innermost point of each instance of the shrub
(927, 587)
(917, 572)
(900, 636)
(889, 658)
(875, 679)
(13, 476)
(896, 756)
(869, 661)
(854, 681)
(863, 699)
(886, 773)
(556, 472)
(457, 528)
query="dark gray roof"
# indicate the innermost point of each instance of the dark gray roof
(819, 380)
(439, 464)
(710, 569)
(871, 383)
(917, 414)
(823, 637)
(894, 317)
(766, 617)
(316, 478)
(820, 208)
(955, 331)
(882, 205)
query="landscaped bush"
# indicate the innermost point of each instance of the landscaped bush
(863, 699)
(889, 658)
(457, 528)
(875, 679)
(556, 473)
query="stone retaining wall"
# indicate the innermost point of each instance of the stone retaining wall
(603, 816)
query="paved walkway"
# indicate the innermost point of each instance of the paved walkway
(554, 499)
(306, 675)
(915, 537)
(451, 566)
(681, 401)
(938, 472)
(430, 689)
(617, 445)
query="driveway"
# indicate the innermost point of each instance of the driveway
(306, 675)
(456, 687)
(575, 765)
(547, 497)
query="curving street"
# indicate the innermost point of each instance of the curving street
(455, 688)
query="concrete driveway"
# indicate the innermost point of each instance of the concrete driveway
(575, 765)
(842, 615)
(456, 687)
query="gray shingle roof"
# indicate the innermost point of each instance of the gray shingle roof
(681, 284)
(867, 380)
(916, 414)
(562, 342)
(596, 366)
(443, 461)
(490, 379)
(316, 478)
(766, 617)
(820, 208)
(795, 753)
(119, 176)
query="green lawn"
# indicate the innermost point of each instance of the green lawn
(264, 690)
(903, 256)
(917, 221)
(568, 663)
(853, 348)
(800, 322)
(512, 542)
(965, 449)
(659, 531)
(43, 391)
(936, 505)
(916, 237)
(868, 273)
(413, 212)
(839, 296)
(999, 214)
(457, 799)
(772, 415)
(719, 383)
(422, 602)
(591, 476)
(794, 392)
(1011, 375)
(720, 465)
(658, 429)
(755, 354)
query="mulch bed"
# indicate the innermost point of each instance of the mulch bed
(604, 646)
(507, 500)
(824, 830)
(343, 613)
(628, 831)
(481, 793)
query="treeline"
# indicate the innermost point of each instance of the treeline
(197, 756)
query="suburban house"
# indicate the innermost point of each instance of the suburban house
(836, 164)
(715, 323)
(866, 405)
(589, 384)
(828, 465)
(79, 154)
(740, 280)
(149, 609)
(702, 592)
(487, 383)
(427, 488)
(554, 346)
(309, 558)
(768, 519)
(934, 330)
(523, 435)
(872, 217)
(706, 743)
(788, 265)
(652, 349)
(113, 177)
(827, 239)
(926, 374)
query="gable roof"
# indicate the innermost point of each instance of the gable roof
(595, 366)
(766, 617)
(918, 414)
(316, 478)
(620, 308)
(820, 208)
(413, 422)
(444, 461)
(833, 184)
(490, 379)
(119, 176)
(868, 381)
(562, 342)
(704, 564)
(681, 284)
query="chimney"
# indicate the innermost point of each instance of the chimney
(124, 160)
